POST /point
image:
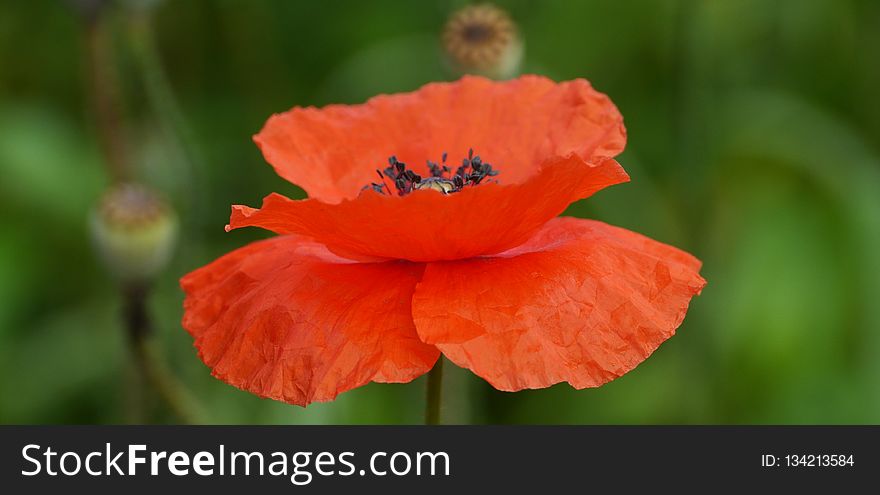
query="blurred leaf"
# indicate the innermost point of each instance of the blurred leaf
(48, 167)
(395, 65)
(73, 355)
(799, 205)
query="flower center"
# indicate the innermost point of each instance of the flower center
(472, 172)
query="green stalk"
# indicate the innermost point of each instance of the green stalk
(435, 393)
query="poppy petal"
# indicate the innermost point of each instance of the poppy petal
(286, 319)
(581, 302)
(515, 125)
(428, 225)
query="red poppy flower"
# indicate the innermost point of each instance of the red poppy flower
(379, 272)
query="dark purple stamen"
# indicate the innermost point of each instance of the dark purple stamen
(473, 171)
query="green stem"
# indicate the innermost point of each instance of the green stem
(165, 103)
(106, 100)
(151, 369)
(435, 392)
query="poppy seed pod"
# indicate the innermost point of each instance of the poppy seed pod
(134, 232)
(483, 40)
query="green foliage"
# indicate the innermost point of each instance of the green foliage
(754, 143)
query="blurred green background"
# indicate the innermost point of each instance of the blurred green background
(754, 143)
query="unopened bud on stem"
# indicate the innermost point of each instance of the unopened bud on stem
(482, 39)
(134, 232)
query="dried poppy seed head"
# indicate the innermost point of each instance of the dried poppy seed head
(482, 39)
(134, 232)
